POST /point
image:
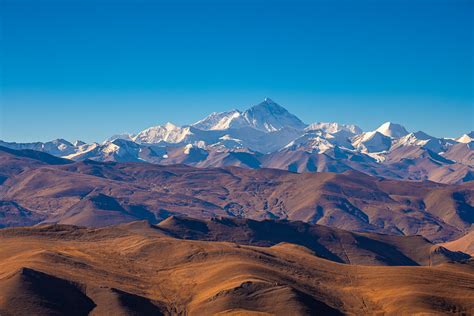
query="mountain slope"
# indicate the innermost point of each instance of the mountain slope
(464, 244)
(371, 142)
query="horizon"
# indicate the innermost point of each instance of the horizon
(83, 70)
(240, 109)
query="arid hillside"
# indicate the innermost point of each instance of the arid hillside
(325, 242)
(464, 244)
(139, 269)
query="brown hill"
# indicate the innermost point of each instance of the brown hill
(351, 201)
(124, 270)
(13, 162)
(464, 244)
(329, 243)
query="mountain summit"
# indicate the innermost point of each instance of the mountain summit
(392, 130)
(267, 116)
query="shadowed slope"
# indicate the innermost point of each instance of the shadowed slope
(30, 292)
(464, 244)
(329, 243)
(97, 210)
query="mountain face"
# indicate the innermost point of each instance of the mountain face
(267, 135)
(372, 142)
(221, 121)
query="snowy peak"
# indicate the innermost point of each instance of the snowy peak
(220, 121)
(334, 127)
(167, 133)
(422, 135)
(78, 143)
(466, 138)
(269, 116)
(170, 126)
(419, 138)
(392, 130)
(372, 142)
(125, 136)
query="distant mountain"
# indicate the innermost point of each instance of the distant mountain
(371, 142)
(422, 139)
(57, 147)
(268, 135)
(392, 130)
(466, 138)
(168, 133)
(220, 121)
(334, 127)
(266, 116)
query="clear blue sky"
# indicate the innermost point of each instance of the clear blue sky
(89, 69)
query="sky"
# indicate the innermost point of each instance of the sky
(90, 69)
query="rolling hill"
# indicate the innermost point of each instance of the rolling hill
(135, 269)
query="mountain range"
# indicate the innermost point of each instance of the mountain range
(36, 187)
(268, 136)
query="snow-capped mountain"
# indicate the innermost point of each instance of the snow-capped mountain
(320, 141)
(270, 117)
(392, 130)
(168, 133)
(334, 127)
(268, 135)
(466, 138)
(266, 116)
(372, 142)
(125, 136)
(421, 139)
(57, 147)
(119, 150)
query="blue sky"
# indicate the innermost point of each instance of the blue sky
(90, 69)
